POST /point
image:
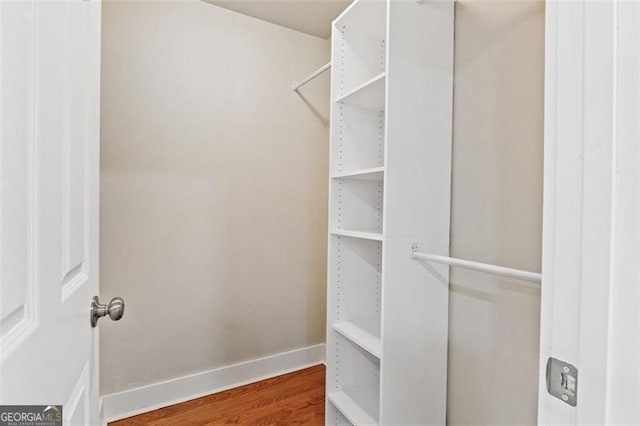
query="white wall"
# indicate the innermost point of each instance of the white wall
(496, 210)
(214, 178)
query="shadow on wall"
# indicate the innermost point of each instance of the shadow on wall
(322, 117)
(496, 211)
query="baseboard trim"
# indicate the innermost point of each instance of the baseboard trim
(140, 400)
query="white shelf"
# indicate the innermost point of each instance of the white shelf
(373, 174)
(369, 95)
(358, 405)
(363, 332)
(367, 234)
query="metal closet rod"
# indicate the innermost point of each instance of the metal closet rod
(482, 267)
(322, 69)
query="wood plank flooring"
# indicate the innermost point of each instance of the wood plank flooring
(292, 399)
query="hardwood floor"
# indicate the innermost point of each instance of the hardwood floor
(293, 399)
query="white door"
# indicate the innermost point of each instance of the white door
(591, 243)
(49, 150)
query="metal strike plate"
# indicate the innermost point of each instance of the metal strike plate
(562, 381)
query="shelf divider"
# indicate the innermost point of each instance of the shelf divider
(363, 332)
(367, 234)
(359, 405)
(373, 173)
(369, 95)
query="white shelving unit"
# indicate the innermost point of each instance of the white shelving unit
(391, 112)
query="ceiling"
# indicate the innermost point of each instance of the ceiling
(308, 16)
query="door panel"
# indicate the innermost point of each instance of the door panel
(49, 86)
(17, 304)
(75, 132)
(77, 406)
